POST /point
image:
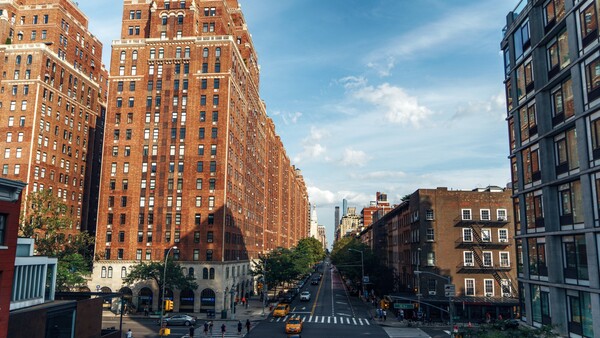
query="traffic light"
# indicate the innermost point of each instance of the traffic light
(164, 332)
(168, 305)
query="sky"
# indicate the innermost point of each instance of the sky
(376, 96)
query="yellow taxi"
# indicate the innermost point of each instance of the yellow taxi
(293, 325)
(281, 310)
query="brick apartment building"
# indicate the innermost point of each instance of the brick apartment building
(465, 237)
(191, 158)
(52, 97)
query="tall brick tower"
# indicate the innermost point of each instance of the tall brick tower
(191, 158)
(52, 100)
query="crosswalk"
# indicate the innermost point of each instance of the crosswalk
(342, 320)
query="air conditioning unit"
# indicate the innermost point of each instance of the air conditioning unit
(507, 294)
(108, 226)
(148, 244)
(432, 293)
(489, 294)
(502, 218)
(176, 240)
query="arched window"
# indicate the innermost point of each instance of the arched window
(123, 272)
(123, 55)
(178, 52)
(218, 52)
(212, 273)
(161, 53)
(205, 52)
(18, 60)
(186, 54)
(29, 59)
(110, 272)
(103, 272)
(205, 273)
(134, 55)
(152, 53)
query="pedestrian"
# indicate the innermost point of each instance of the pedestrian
(384, 315)
(146, 310)
(247, 326)
(223, 330)
(210, 327)
(239, 327)
(129, 334)
(401, 314)
(192, 331)
(205, 329)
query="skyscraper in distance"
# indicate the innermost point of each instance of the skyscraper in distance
(191, 158)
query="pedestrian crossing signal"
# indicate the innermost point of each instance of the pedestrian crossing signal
(164, 331)
(168, 305)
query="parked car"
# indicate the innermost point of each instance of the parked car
(305, 295)
(293, 325)
(179, 319)
(281, 310)
(288, 297)
(315, 281)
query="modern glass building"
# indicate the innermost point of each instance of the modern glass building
(552, 80)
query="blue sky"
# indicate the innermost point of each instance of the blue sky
(380, 95)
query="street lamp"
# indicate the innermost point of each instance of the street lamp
(362, 266)
(447, 278)
(162, 311)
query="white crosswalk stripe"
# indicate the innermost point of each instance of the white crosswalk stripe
(341, 320)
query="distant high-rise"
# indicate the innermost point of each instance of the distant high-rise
(53, 99)
(314, 222)
(344, 207)
(191, 158)
(552, 82)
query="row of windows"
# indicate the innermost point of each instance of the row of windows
(486, 259)
(148, 236)
(155, 135)
(212, 183)
(153, 167)
(148, 256)
(484, 214)
(488, 288)
(210, 220)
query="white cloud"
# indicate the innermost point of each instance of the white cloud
(357, 158)
(287, 117)
(383, 175)
(311, 146)
(390, 101)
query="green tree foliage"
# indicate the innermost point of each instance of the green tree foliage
(310, 248)
(155, 271)
(348, 261)
(44, 218)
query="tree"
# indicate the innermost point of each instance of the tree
(45, 219)
(155, 271)
(310, 248)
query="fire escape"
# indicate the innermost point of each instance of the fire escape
(478, 244)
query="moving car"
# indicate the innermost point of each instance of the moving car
(315, 281)
(293, 325)
(288, 297)
(305, 295)
(179, 319)
(281, 310)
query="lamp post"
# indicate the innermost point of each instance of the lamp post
(162, 311)
(362, 266)
(448, 280)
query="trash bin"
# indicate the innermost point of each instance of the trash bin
(224, 314)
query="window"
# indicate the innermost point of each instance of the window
(566, 155)
(521, 40)
(588, 19)
(487, 259)
(469, 287)
(466, 214)
(468, 259)
(570, 204)
(196, 236)
(209, 255)
(3, 229)
(579, 310)
(504, 259)
(486, 235)
(503, 235)
(488, 287)
(103, 272)
(575, 263)
(467, 234)
(501, 215)
(558, 54)
(537, 257)
(592, 76)
(209, 237)
(484, 214)
(554, 11)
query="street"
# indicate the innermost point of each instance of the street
(330, 313)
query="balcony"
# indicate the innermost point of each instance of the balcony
(498, 222)
(461, 243)
(475, 268)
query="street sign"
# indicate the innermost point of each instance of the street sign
(449, 290)
(405, 306)
(366, 279)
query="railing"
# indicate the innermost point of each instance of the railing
(460, 242)
(472, 267)
(459, 221)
